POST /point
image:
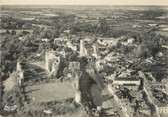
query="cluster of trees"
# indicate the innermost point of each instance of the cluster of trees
(11, 23)
(49, 33)
(12, 49)
(101, 28)
(13, 32)
(149, 46)
(148, 14)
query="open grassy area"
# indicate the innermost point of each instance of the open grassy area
(17, 31)
(10, 82)
(50, 92)
(40, 64)
(164, 33)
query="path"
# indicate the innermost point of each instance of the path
(110, 106)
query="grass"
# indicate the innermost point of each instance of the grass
(162, 33)
(50, 91)
(17, 31)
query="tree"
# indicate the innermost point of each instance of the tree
(66, 49)
(7, 32)
(125, 49)
(83, 62)
(65, 71)
(73, 57)
(142, 51)
(119, 44)
(13, 32)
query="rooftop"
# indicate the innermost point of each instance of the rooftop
(160, 103)
(119, 94)
(88, 45)
(129, 85)
(127, 79)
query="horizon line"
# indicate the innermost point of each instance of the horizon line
(80, 5)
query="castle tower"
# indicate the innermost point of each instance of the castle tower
(82, 49)
(21, 77)
(18, 66)
(53, 61)
(78, 97)
(47, 62)
(95, 49)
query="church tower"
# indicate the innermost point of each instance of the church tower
(82, 49)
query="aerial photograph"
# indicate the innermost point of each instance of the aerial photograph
(84, 58)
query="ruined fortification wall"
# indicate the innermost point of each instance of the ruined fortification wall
(53, 61)
(20, 73)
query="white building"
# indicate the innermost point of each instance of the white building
(72, 46)
(107, 41)
(122, 81)
(161, 107)
(57, 40)
(88, 49)
(45, 40)
(130, 40)
(100, 65)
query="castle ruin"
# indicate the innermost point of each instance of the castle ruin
(20, 73)
(53, 61)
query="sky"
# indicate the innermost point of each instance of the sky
(84, 2)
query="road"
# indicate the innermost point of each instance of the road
(110, 105)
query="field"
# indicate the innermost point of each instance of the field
(17, 31)
(39, 64)
(164, 33)
(50, 92)
(10, 82)
(164, 29)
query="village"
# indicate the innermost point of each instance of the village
(104, 81)
(62, 62)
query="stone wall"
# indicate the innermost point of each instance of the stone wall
(20, 73)
(53, 61)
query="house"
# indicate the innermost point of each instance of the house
(152, 25)
(122, 81)
(130, 40)
(88, 49)
(91, 58)
(67, 31)
(158, 94)
(57, 40)
(45, 40)
(113, 56)
(158, 85)
(107, 41)
(22, 38)
(161, 107)
(132, 87)
(72, 46)
(146, 111)
(73, 66)
(126, 73)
